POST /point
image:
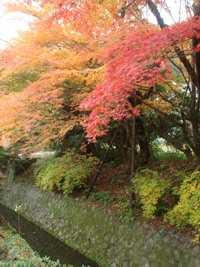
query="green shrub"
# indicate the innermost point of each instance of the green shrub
(65, 173)
(187, 210)
(15, 251)
(32, 262)
(104, 197)
(149, 188)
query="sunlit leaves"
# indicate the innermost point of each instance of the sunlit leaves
(139, 62)
(76, 46)
(44, 109)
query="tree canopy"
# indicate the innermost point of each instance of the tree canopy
(103, 62)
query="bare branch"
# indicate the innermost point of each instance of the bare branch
(156, 13)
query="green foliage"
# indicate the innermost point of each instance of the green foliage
(13, 161)
(150, 188)
(117, 181)
(5, 156)
(104, 197)
(17, 81)
(74, 139)
(65, 173)
(164, 151)
(187, 210)
(16, 252)
(33, 262)
(124, 204)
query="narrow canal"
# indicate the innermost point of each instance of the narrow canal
(44, 243)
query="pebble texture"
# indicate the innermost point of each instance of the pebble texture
(106, 239)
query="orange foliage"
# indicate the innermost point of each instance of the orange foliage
(66, 43)
(67, 55)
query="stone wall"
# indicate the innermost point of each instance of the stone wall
(106, 239)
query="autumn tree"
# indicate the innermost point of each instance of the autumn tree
(159, 67)
(151, 70)
(62, 61)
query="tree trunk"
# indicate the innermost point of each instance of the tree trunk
(145, 150)
(132, 191)
(197, 168)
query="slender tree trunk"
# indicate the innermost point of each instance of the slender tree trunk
(145, 151)
(132, 192)
(101, 165)
(197, 168)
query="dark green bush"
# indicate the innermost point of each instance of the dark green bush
(104, 197)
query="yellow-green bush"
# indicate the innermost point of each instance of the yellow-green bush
(149, 188)
(187, 210)
(65, 173)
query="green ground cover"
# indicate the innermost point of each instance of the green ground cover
(15, 252)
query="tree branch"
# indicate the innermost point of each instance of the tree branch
(177, 49)
(156, 13)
